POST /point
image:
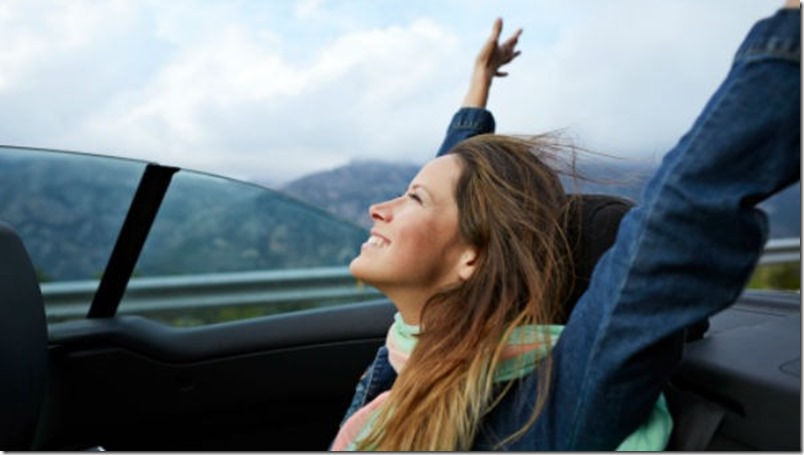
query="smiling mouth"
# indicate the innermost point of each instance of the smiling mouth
(375, 241)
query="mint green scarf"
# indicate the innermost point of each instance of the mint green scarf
(524, 349)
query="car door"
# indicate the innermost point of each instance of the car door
(188, 311)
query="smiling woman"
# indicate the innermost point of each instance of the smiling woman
(127, 381)
(415, 249)
(478, 261)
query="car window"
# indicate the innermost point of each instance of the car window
(68, 209)
(221, 249)
(218, 250)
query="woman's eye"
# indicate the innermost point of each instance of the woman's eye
(415, 197)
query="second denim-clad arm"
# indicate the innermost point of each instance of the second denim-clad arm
(685, 253)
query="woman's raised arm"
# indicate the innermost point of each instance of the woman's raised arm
(473, 118)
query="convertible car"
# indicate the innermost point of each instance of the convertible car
(146, 307)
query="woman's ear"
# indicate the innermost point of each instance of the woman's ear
(467, 263)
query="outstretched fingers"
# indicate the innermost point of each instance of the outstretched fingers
(496, 30)
(507, 51)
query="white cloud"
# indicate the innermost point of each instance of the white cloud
(628, 79)
(274, 90)
(307, 8)
(232, 97)
(31, 35)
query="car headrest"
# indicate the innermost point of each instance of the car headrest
(592, 224)
(23, 344)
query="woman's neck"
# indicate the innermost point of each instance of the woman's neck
(408, 302)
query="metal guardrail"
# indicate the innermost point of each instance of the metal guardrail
(780, 251)
(71, 299)
(325, 285)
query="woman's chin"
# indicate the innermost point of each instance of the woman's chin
(357, 268)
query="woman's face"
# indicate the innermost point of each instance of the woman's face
(415, 247)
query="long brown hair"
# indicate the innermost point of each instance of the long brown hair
(512, 208)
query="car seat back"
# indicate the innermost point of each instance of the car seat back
(23, 344)
(592, 224)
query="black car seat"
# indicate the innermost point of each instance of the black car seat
(592, 224)
(23, 344)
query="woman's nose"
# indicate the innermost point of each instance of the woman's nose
(381, 211)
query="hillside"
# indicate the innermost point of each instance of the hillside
(349, 190)
(68, 209)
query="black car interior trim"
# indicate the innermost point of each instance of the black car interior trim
(139, 219)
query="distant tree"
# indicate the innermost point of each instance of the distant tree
(777, 276)
(41, 276)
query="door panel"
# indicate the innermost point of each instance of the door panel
(274, 383)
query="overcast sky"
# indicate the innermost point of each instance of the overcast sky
(270, 90)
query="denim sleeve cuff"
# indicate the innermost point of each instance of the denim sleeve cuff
(473, 118)
(467, 122)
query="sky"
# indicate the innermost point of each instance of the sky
(271, 90)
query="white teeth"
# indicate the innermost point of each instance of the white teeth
(375, 241)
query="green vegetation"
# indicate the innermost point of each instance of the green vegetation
(777, 276)
(41, 276)
(204, 316)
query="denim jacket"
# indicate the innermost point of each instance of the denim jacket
(682, 255)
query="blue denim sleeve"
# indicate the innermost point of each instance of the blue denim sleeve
(377, 378)
(467, 122)
(685, 253)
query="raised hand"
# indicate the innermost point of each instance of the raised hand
(490, 59)
(493, 55)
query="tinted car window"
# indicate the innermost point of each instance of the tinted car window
(221, 249)
(218, 249)
(68, 209)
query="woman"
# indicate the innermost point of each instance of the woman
(475, 259)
